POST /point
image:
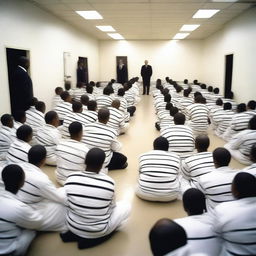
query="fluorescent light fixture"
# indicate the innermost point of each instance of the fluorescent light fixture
(224, 1)
(90, 15)
(205, 13)
(116, 36)
(106, 28)
(180, 36)
(189, 27)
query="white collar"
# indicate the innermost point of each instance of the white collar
(22, 68)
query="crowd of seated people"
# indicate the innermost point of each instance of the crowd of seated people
(79, 136)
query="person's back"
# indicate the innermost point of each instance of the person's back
(234, 221)
(158, 173)
(90, 115)
(64, 107)
(180, 136)
(198, 225)
(18, 151)
(105, 100)
(78, 91)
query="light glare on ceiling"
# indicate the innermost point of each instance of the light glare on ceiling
(106, 28)
(180, 35)
(205, 13)
(116, 36)
(189, 27)
(90, 15)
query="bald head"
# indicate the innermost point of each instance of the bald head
(166, 236)
(202, 143)
(103, 115)
(146, 62)
(115, 104)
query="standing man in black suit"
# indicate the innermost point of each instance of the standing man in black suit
(122, 74)
(22, 88)
(81, 73)
(146, 73)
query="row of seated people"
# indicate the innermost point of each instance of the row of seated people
(228, 230)
(202, 107)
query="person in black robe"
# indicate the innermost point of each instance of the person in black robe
(21, 86)
(146, 73)
(81, 73)
(122, 74)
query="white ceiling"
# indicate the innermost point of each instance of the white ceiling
(145, 19)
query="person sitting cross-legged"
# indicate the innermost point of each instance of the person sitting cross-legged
(235, 221)
(252, 168)
(158, 173)
(93, 215)
(198, 224)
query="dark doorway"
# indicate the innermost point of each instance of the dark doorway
(13, 56)
(228, 74)
(121, 69)
(82, 70)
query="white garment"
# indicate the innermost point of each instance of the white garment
(92, 211)
(201, 238)
(216, 186)
(18, 152)
(104, 101)
(89, 116)
(251, 169)
(42, 195)
(49, 136)
(63, 109)
(34, 118)
(70, 158)
(7, 137)
(182, 251)
(15, 215)
(117, 120)
(222, 120)
(56, 100)
(235, 222)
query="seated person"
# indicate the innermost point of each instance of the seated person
(19, 119)
(78, 91)
(124, 106)
(168, 120)
(17, 220)
(41, 194)
(64, 107)
(214, 109)
(168, 238)
(216, 185)
(251, 108)
(101, 136)
(252, 168)
(158, 173)
(49, 136)
(71, 153)
(84, 99)
(130, 98)
(235, 221)
(89, 92)
(240, 145)
(117, 118)
(93, 214)
(179, 136)
(105, 100)
(197, 165)
(185, 101)
(7, 135)
(18, 151)
(35, 116)
(198, 224)
(57, 99)
(90, 115)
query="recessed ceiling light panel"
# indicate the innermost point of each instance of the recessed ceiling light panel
(180, 36)
(116, 36)
(190, 27)
(90, 15)
(106, 28)
(205, 13)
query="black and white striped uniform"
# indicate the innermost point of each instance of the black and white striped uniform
(240, 146)
(39, 192)
(7, 137)
(195, 166)
(89, 116)
(70, 158)
(214, 109)
(251, 169)
(104, 101)
(101, 136)
(180, 138)
(116, 87)
(15, 218)
(165, 122)
(90, 203)
(235, 222)
(91, 96)
(17, 125)
(130, 98)
(198, 115)
(216, 186)
(77, 93)
(117, 120)
(201, 237)
(49, 136)
(158, 176)
(222, 120)
(183, 103)
(123, 107)
(18, 152)
(35, 119)
(63, 109)
(239, 122)
(56, 100)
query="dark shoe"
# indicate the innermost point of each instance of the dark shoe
(125, 165)
(68, 237)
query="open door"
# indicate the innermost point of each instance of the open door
(13, 56)
(82, 70)
(228, 74)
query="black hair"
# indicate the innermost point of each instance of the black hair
(75, 128)
(33, 101)
(58, 90)
(103, 115)
(40, 106)
(36, 154)
(84, 99)
(24, 132)
(6, 119)
(251, 104)
(167, 98)
(89, 89)
(174, 111)
(50, 116)
(219, 102)
(95, 158)
(121, 92)
(210, 88)
(179, 118)
(221, 156)
(161, 143)
(64, 95)
(241, 107)
(168, 106)
(252, 123)
(216, 90)
(77, 106)
(253, 153)
(202, 142)
(107, 90)
(92, 105)
(227, 106)
(19, 116)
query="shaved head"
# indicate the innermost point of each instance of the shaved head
(103, 115)
(115, 104)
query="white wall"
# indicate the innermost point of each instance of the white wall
(238, 37)
(176, 59)
(25, 26)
